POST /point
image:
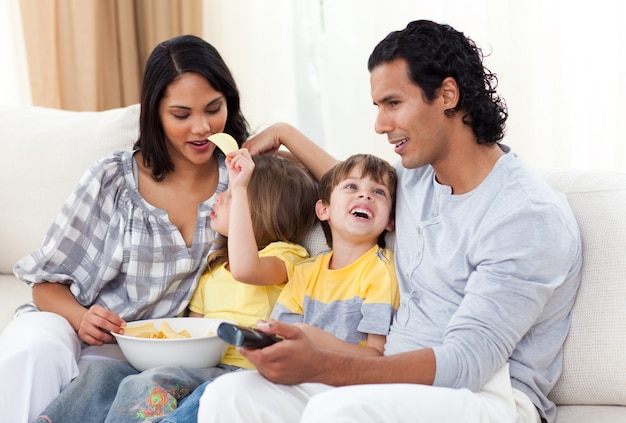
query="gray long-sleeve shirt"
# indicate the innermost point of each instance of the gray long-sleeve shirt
(486, 277)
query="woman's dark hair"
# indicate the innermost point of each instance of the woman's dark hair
(167, 62)
(434, 52)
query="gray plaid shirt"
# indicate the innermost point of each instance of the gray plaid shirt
(114, 249)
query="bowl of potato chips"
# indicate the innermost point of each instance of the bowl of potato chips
(180, 341)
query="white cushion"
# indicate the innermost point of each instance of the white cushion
(14, 294)
(595, 349)
(44, 153)
(590, 414)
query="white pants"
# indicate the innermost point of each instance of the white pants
(40, 353)
(248, 397)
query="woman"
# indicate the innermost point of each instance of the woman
(268, 208)
(132, 239)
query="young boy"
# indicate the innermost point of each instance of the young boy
(345, 298)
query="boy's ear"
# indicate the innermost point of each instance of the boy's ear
(391, 226)
(321, 210)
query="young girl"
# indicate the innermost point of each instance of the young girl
(269, 205)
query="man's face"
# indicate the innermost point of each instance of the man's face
(416, 128)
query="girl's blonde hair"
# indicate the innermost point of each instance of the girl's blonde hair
(282, 198)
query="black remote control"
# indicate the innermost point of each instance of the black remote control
(241, 336)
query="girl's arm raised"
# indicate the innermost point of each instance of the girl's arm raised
(243, 256)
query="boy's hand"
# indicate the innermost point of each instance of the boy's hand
(267, 141)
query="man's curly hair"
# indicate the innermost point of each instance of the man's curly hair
(434, 52)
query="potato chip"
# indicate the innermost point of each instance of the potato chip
(141, 331)
(150, 331)
(170, 333)
(224, 142)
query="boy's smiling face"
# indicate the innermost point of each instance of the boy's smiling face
(359, 208)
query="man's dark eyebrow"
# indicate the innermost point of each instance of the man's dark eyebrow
(385, 99)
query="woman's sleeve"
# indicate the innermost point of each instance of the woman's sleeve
(87, 229)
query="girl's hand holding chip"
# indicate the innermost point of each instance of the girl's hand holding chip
(97, 324)
(240, 168)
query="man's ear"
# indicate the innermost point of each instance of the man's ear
(391, 226)
(321, 210)
(450, 92)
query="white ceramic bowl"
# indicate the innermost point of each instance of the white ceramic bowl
(203, 349)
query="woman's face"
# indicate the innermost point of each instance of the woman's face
(190, 111)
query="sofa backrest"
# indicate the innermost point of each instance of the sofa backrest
(595, 349)
(44, 153)
(47, 150)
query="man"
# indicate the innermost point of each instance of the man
(488, 260)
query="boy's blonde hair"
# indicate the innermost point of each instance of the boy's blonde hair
(376, 168)
(282, 197)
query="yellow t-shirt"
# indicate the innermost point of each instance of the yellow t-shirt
(220, 296)
(350, 302)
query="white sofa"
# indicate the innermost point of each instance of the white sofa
(45, 151)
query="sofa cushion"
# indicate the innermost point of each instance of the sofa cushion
(64, 143)
(590, 414)
(595, 350)
(14, 294)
